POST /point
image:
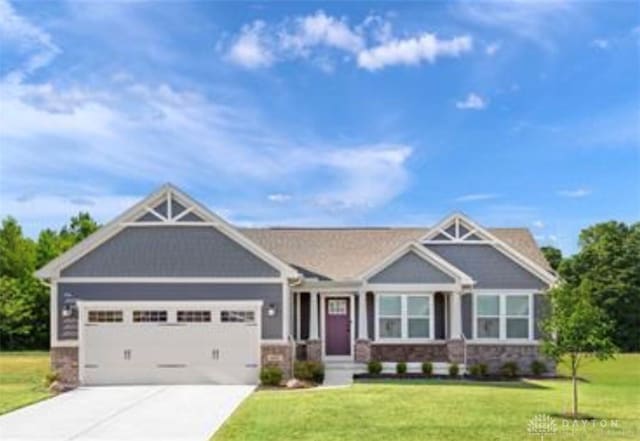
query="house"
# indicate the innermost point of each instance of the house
(169, 292)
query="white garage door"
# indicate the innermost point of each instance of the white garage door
(169, 342)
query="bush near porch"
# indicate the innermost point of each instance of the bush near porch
(442, 409)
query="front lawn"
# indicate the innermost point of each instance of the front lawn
(21, 379)
(444, 410)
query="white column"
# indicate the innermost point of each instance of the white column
(456, 316)
(313, 319)
(362, 315)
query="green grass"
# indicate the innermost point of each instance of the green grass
(443, 410)
(21, 379)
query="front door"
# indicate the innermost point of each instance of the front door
(337, 326)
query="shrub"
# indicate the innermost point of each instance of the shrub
(479, 370)
(374, 367)
(51, 377)
(401, 367)
(271, 376)
(509, 369)
(454, 370)
(309, 371)
(427, 368)
(538, 367)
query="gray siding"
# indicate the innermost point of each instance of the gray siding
(541, 309)
(170, 252)
(411, 268)
(467, 315)
(68, 293)
(488, 267)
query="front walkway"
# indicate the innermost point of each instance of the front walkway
(126, 413)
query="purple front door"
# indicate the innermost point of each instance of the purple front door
(338, 326)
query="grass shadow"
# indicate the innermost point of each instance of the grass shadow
(516, 384)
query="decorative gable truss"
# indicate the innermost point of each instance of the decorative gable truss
(166, 206)
(460, 229)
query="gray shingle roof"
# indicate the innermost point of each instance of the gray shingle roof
(344, 253)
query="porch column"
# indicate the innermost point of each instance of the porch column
(362, 316)
(456, 316)
(313, 319)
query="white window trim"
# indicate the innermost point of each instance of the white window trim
(404, 318)
(503, 316)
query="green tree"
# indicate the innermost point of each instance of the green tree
(576, 329)
(80, 227)
(553, 256)
(17, 253)
(609, 261)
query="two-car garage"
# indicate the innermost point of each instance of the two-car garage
(152, 342)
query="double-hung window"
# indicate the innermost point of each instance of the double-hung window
(404, 316)
(503, 316)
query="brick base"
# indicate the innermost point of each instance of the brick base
(494, 356)
(409, 353)
(278, 355)
(362, 351)
(314, 350)
(64, 361)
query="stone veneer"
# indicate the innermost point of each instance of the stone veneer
(409, 352)
(280, 355)
(362, 351)
(64, 361)
(314, 350)
(494, 356)
(455, 351)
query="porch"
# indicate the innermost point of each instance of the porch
(393, 324)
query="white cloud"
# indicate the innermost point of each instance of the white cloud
(413, 51)
(250, 49)
(538, 224)
(38, 45)
(600, 43)
(492, 48)
(575, 193)
(279, 197)
(318, 30)
(319, 36)
(472, 102)
(476, 197)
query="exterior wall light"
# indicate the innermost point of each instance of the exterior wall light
(271, 311)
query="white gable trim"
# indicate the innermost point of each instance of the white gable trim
(486, 237)
(424, 253)
(128, 219)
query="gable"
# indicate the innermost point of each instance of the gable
(170, 251)
(411, 268)
(488, 267)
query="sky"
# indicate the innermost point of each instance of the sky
(522, 114)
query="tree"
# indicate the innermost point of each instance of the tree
(17, 253)
(553, 256)
(576, 329)
(609, 260)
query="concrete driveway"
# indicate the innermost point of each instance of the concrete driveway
(126, 413)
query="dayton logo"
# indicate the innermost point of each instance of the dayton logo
(542, 425)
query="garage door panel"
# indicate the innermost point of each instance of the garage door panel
(169, 352)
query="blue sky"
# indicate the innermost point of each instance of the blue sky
(518, 114)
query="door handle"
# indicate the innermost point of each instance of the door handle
(215, 354)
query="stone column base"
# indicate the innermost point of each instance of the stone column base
(64, 361)
(280, 355)
(362, 351)
(314, 350)
(455, 351)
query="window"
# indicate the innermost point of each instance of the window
(517, 316)
(105, 316)
(237, 317)
(503, 316)
(404, 316)
(337, 306)
(194, 316)
(488, 316)
(149, 316)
